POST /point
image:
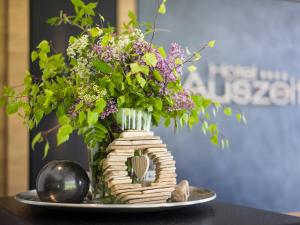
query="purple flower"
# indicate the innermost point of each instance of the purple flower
(111, 107)
(167, 66)
(141, 47)
(176, 53)
(182, 101)
(106, 53)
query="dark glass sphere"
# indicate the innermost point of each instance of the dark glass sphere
(62, 181)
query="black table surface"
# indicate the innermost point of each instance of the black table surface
(214, 213)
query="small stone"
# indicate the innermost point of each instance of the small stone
(181, 192)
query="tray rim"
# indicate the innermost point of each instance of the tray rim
(113, 206)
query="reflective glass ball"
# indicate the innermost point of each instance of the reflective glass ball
(62, 181)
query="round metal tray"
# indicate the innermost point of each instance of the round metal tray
(197, 196)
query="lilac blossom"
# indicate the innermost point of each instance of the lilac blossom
(109, 53)
(106, 53)
(166, 66)
(182, 101)
(141, 47)
(175, 52)
(111, 107)
(163, 66)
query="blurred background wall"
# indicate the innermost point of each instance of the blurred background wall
(257, 55)
(258, 37)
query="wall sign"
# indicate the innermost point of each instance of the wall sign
(245, 85)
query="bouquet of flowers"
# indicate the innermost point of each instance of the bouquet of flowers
(102, 72)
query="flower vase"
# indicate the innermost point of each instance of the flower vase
(124, 119)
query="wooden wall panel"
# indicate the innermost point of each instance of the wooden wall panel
(2, 83)
(17, 134)
(123, 6)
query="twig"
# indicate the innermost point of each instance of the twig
(194, 54)
(154, 22)
(52, 46)
(73, 24)
(47, 132)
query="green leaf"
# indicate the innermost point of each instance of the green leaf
(79, 106)
(158, 103)
(136, 68)
(162, 7)
(205, 125)
(12, 108)
(192, 68)
(197, 56)
(63, 133)
(94, 135)
(92, 117)
(95, 31)
(178, 61)
(53, 20)
(48, 92)
(157, 75)
(81, 118)
(167, 122)
(117, 77)
(197, 100)
(162, 52)
(102, 18)
(34, 56)
(77, 3)
(46, 149)
(121, 100)
(175, 86)
(100, 105)
(213, 128)
(44, 46)
(63, 120)
(141, 80)
(211, 43)
(37, 138)
(214, 139)
(239, 117)
(102, 67)
(227, 111)
(150, 59)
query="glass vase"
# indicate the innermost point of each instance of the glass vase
(133, 119)
(97, 185)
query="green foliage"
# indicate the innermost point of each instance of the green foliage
(162, 7)
(99, 69)
(64, 133)
(94, 135)
(162, 52)
(227, 111)
(192, 68)
(37, 138)
(150, 59)
(157, 75)
(212, 43)
(102, 67)
(137, 68)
